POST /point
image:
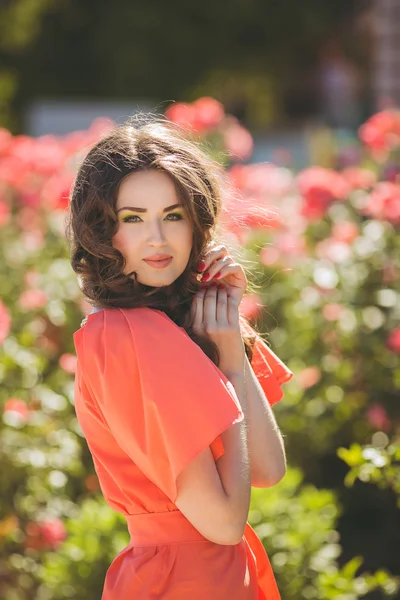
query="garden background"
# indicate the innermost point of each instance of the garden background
(316, 221)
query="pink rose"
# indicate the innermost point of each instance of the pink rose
(67, 361)
(377, 417)
(393, 340)
(5, 322)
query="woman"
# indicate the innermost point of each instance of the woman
(178, 423)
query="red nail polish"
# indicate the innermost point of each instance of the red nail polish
(217, 275)
(205, 277)
(202, 266)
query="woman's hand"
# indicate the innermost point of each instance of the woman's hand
(215, 308)
(215, 316)
(219, 266)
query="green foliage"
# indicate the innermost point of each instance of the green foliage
(330, 311)
(372, 464)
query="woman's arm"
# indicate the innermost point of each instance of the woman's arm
(265, 443)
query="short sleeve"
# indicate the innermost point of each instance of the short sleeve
(270, 371)
(162, 398)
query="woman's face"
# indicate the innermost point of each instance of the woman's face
(147, 228)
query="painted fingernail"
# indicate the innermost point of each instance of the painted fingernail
(205, 277)
(217, 275)
(202, 266)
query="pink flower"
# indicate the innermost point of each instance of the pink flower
(381, 133)
(209, 112)
(5, 213)
(332, 311)
(5, 141)
(377, 417)
(238, 141)
(56, 191)
(251, 306)
(269, 255)
(18, 407)
(67, 361)
(264, 181)
(393, 340)
(384, 202)
(320, 187)
(31, 299)
(333, 250)
(345, 231)
(309, 377)
(357, 178)
(5, 322)
(47, 534)
(289, 243)
(32, 278)
(184, 115)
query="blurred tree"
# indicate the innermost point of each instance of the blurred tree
(20, 23)
(178, 51)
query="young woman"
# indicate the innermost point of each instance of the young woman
(173, 387)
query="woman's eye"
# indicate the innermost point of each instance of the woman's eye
(129, 219)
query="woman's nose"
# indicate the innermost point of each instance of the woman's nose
(156, 232)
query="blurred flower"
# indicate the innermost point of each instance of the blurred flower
(384, 202)
(393, 340)
(56, 191)
(5, 213)
(29, 219)
(263, 181)
(8, 525)
(377, 417)
(5, 322)
(359, 179)
(209, 112)
(238, 141)
(251, 306)
(92, 483)
(45, 535)
(345, 231)
(392, 173)
(18, 407)
(381, 133)
(332, 311)
(31, 299)
(319, 187)
(32, 278)
(5, 141)
(67, 361)
(333, 250)
(391, 272)
(269, 255)
(185, 115)
(309, 377)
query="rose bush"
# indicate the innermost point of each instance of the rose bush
(322, 251)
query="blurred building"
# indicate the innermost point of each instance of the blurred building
(385, 23)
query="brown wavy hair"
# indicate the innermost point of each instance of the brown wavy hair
(145, 141)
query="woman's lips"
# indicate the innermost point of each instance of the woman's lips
(159, 264)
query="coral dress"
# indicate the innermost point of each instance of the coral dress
(148, 401)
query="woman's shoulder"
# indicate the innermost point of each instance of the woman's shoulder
(112, 322)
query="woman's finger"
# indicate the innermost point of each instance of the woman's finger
(210, 306)
(197, 310)
(233, 311)
(216, 267)
(213, 254)
(222, 306)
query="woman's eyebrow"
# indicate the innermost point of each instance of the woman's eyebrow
(143, 210)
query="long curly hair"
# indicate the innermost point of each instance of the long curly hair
(145, 141)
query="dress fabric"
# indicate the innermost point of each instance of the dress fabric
(148, 401)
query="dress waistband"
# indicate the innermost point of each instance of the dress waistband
(153, 529)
